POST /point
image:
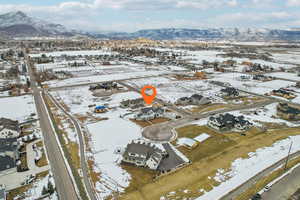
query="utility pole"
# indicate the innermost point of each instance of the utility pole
(287, 158)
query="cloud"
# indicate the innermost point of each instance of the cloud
(293, 2)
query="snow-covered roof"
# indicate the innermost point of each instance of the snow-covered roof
(186, 141)
(202, 137)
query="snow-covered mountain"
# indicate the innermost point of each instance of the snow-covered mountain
(18, 24)
(240, 34)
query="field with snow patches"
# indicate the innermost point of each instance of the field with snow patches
(286, 75)
(17, 108)
(73, 53)
(251, 85)
(107, 135)
(243, 169)
(100, 78)
(36, 191)
(171, 90)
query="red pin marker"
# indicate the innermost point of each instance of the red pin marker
(148, 98)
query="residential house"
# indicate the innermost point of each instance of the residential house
(149, 113)
(9, 128)
(100, 109)
(106, 86)
(230, 92)
(8, 155)
(195, 99)
(143, 154)
(227, 122)
(133, 103)
(288, 112)
(283, 93)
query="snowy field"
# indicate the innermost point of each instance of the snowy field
(17, 108)
(171, 90)
(289, 57)
(286, 75)
(244, 169)
(107, 135)
(251, 85)
(100, 78)
(73, 53)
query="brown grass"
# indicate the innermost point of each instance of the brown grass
(217, 152)
(95, 177)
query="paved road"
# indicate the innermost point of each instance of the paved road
(63, 180)
(284, 188)
(281, 188)
(164, 132)
(83, 162)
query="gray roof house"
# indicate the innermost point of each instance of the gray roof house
(149, 113)
(9, 128)
(143, 154)
(8, 155)
(195, 99)
(133, 103)
(229, 92)
(227, 122)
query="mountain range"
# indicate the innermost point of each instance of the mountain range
(18, 24)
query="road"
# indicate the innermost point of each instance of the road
(270, 195)
(285, 187)
(83, 162)
(164, 132)
(64, 184)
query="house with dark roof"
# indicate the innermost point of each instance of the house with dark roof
(288, 112)
(8, 155)
(9, 128)
(149, 113)
(229, 92)
(143, 154)
(133, 103)
(228, 122)
(195, 99)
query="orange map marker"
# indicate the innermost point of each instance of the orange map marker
(148, 98)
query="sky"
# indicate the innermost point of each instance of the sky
(133, 15)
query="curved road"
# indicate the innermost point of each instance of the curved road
(164, 132)
(83, 162)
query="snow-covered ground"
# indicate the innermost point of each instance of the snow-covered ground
(36, 191)
(251, 85)
(107, 135)
(171, 90)
(286, 75)
(73, 53)
(97, 78)
(17, 108)
(243, 169)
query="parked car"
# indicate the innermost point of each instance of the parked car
(267, 188)
(257, 196)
